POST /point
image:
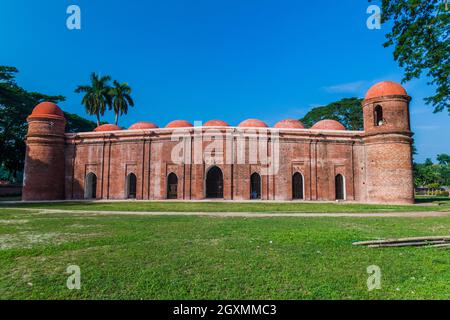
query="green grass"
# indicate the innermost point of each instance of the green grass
(175, 206)
(155, 257)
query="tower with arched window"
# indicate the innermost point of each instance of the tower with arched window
(388, 144)
(44, 172)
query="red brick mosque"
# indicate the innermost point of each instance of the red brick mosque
(217, 161)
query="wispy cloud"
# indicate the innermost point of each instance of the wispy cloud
(419, 110)
(359, 87)
(350, 87)
(429, 127)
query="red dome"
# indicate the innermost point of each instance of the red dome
(216, 123)
(143, 125)
(253, 123)
(328, 125)
(289, 124)
(107, 127)
(47, 110)
(179, 124)
(385, 88)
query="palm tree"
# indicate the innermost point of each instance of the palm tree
(121, 99)
(97, 96)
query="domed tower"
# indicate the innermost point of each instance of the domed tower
(388, 144)
(44, 161)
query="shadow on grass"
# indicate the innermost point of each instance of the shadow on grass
(11, 198)
(437, 200)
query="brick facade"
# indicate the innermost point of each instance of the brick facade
(375, 165)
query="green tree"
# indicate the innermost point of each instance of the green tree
(443, 159)
(121, 99)
(430, 174)
(421, 38)
(347, 111)
(444, 172)
(96, 95)
(75, 123)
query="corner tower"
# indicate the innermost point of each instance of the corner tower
(388, 144)
(44, 160)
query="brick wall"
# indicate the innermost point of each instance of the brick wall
(376, 164)
(148, 154)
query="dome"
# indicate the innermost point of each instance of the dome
(179, 124)
(385, 88)
(328, 125)
(289, 124)
(253, 123)
(107, 127)
(143, 125)
(216, 123)
(47, 110)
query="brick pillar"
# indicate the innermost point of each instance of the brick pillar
(388, 147)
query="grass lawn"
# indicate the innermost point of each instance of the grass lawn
(432, 204)
(155, 257)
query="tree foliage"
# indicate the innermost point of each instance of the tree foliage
(421, 39)
(347, 111)
(96, 95)
(443, 159)
(433, 175)
(99, 95)
(121, 99)
(75, 123)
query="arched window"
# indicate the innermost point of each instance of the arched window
(297, 186)
(255, 186)
(340, 187)
(378, 116)
(90, 186)
(214, 183)
(172, 186)
(131, 186)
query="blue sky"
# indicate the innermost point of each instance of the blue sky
(211, 59)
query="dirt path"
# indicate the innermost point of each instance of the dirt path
(249, 214)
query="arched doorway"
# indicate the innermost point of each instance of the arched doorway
(214, 183)
(131, 186)
(255, 186)
(172, 186)
(297, 186)
(340, 187)
(90, 187)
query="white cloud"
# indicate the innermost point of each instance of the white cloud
(350, 87)
(361, 86)
(429, 127)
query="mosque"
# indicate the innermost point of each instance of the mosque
(250, 161)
